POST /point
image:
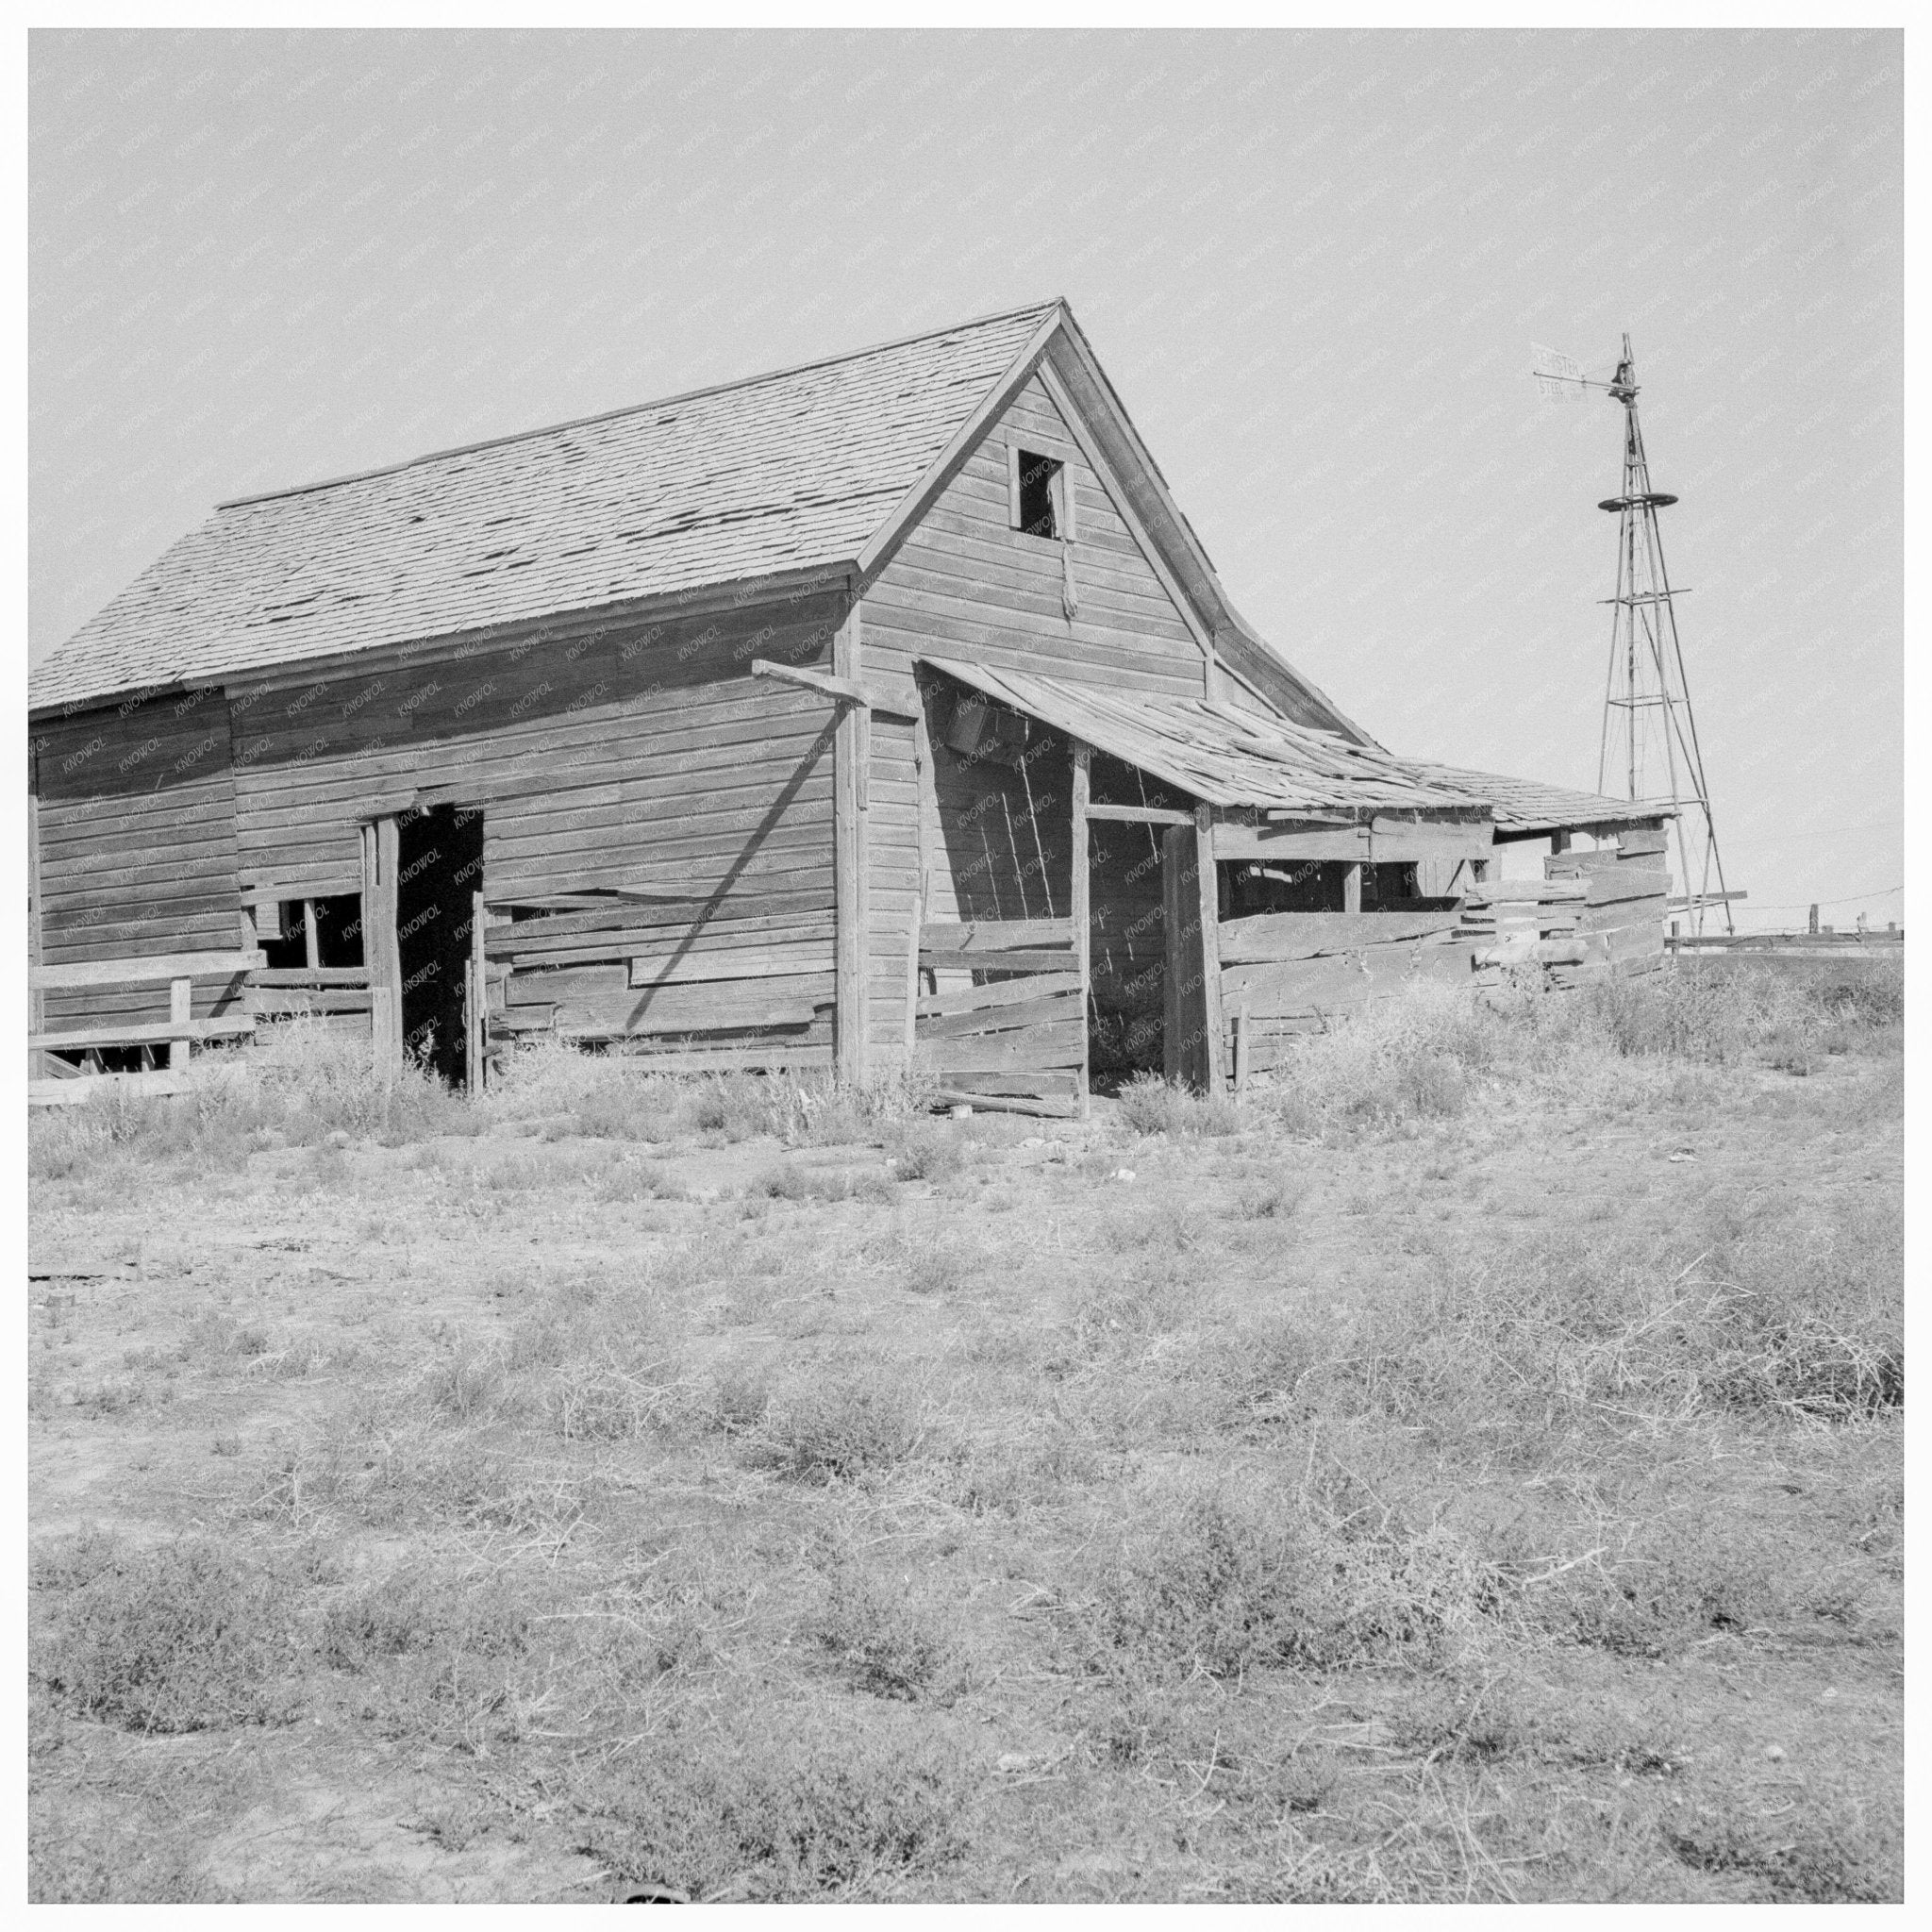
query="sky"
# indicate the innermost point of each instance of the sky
(1312, 263)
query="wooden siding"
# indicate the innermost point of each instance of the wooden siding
(137, 824)
(965, 584)
(654, 747)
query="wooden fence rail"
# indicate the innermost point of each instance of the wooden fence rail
(177, 971)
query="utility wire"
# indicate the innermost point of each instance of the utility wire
(1848, 899)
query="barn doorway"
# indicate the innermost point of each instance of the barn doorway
(439, 867)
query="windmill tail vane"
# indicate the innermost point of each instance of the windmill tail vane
(1559, 378)
(1650, 745)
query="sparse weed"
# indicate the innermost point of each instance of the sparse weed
(182, 1638)
(880, 1643)
(771, 1809)
(841, 1425)
(1150, 1105)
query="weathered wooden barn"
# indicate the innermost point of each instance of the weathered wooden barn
(882, 709)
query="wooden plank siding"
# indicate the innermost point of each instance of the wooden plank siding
(137, 857)
(658, 747)
(966, 584)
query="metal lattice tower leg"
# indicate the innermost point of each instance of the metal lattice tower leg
(1649, 750)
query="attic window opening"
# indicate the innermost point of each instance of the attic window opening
(1039, 494)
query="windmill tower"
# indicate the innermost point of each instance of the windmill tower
(1649, 751)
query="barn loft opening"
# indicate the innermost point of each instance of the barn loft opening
(438, 869)
(1039, 494)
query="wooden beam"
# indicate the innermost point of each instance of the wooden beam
(842, 688)
(150, 972)
(1140, 815)
(1352, 889)
(839, 688)
(851, 748)
(1292, 844)
(312, 939)
(1079, 901)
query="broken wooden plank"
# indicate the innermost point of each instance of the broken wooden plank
(1058, 1045)
(984, 1021)
(998, 992)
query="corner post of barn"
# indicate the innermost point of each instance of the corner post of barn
(1080, 911)
(851, 754)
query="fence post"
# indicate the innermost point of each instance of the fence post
(181, 1013)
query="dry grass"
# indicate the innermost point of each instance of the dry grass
(1471, 1470)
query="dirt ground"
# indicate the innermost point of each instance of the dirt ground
(919, 1514)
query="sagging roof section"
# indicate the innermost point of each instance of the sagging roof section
(1213, 752)
(783, 473)
(1226, 757)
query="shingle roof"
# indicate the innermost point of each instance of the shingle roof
(1223, 756)
(791, 471)
(1527, 805)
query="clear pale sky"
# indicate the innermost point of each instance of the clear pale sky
(1312, 263)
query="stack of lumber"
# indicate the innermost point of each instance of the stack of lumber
(1620, 921)
(1008, 1029)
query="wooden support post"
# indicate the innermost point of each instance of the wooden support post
(1192, 1041)
(1241, 1047)
(381, 953)
(1173, 921)
(1080, 910)
(1559, 841)
(851, 750)
(1351, 888)
(35, 999)
(314, 940)
(181, 1013)
(1207, 880)
(480, 996)
(921, 896)
(912, 977)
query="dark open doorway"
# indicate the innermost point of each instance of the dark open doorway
(439, 866)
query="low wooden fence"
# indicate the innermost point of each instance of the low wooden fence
(54, 1082)
(1000, 1014)
(1595, 915)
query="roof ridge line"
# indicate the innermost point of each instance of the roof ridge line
(689, 396)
